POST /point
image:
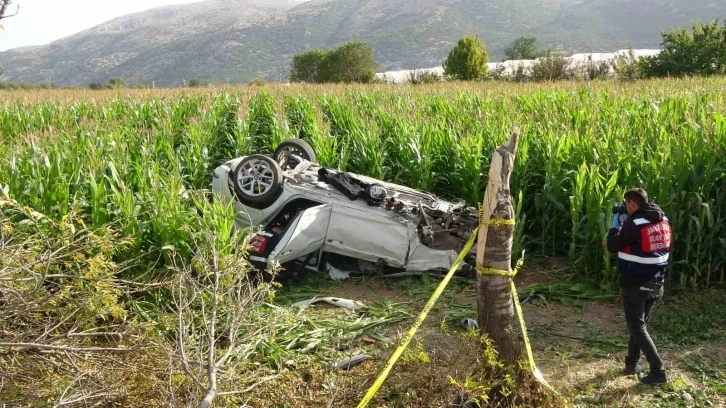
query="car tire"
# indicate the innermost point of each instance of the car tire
(297, 146)
(257, 180)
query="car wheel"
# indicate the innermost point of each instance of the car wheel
(289, 153)
(257, 179)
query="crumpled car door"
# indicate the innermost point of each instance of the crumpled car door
(368, 236)
(306, 234)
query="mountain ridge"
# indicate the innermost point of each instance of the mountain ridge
(214, 40)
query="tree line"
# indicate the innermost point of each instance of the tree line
(699, 51)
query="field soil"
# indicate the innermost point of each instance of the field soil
(579, 346)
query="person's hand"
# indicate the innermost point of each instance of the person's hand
(616, 221)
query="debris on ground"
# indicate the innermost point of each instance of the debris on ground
(351, 362)
(345, 303)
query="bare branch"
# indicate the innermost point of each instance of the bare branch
(35, 347)
(212, 366)
(3, 9)
(107, 335)
(182, 352)
(83, 398)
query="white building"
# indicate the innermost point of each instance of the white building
(510, 67)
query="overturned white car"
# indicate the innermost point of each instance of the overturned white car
(347, 224)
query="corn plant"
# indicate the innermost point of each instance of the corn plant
(143, 161)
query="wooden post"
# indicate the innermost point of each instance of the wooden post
(494, 250)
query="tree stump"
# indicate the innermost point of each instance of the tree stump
(495, 309)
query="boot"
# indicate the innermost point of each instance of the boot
(655, 378)
(636, 368)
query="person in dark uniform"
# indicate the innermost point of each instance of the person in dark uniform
(642, 242)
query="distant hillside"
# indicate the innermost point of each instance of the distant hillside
(241, 39)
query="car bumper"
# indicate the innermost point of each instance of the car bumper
(258, 262)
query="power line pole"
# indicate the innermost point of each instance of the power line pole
(227, 81)
(153, 84)
(48, 76)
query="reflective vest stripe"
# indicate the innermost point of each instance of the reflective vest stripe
(643, 260)
(643, 221)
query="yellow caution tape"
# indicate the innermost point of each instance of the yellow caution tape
(518, 308)
(432, 300)
(501, 221)
(421, 317)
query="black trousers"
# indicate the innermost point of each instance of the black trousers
(637, 303)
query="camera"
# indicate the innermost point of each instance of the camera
(620, 209)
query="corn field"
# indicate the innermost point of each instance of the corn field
(142, 161)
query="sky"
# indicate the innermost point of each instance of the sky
(42, 21)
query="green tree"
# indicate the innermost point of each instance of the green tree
(95, 86)
(524, 48)
(468, 60)
(305, 65)
(701, 51)
(116, 83)
(351, 62)
(194, 83)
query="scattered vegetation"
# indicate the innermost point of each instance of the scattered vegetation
(626, 66)
(553, 67)
(420, 77)
(258, 82)
(21, 86)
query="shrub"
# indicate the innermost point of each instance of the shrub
(626, 66)
(598, 70)
(498, 72)
(258, 82)
(554, 67)
(420, 77)
(116, 83)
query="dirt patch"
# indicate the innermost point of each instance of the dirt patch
(544, 270)
(368, 290)
(580, 350)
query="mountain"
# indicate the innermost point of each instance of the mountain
(241, 39)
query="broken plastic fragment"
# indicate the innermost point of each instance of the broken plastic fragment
(346, 303)
(468, 323)
(351, 362)
(337, 274)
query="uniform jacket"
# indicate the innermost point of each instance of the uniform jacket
(643, 244)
